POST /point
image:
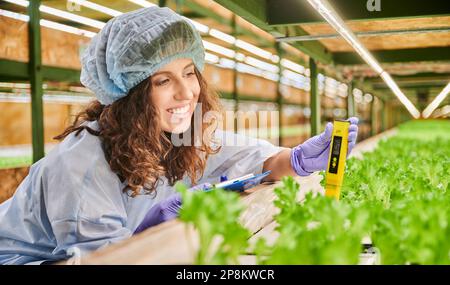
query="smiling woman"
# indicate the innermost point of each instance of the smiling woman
(88, 191)
(136, 130)
(145, 70)
(175, 92)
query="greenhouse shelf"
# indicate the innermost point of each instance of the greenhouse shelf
(177, 242)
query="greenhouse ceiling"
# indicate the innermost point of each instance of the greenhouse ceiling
(409, 38)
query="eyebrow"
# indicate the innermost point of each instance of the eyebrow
(163, 72)
(189, 65)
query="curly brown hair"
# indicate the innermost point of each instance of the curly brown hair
(136, 147)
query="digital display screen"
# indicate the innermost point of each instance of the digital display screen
(337, 145)
(335, 150)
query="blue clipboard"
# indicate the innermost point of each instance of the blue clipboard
(245, 184)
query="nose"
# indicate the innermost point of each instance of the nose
(183, 91)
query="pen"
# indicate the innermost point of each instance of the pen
(228, 182)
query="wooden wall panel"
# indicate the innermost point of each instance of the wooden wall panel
(13, 39)
(257, 86)
(59, 48)
(56, 119)
(219, 78)
(10, 179)
(341, 102)
(327, 102)
(15, 122)
(296, 96)
(387, 42)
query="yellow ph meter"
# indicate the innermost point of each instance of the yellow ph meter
(336, 160)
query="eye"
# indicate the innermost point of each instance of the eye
(162, 82)
(190, 73)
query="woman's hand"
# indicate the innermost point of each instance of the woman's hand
(166, 210)
(161, 212)
(312, 155)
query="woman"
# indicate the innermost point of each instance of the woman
(91, 190)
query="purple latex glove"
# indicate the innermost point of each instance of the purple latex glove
(201, 187)
(166, 210)
(312, 155)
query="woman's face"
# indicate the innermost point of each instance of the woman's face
(175, 92)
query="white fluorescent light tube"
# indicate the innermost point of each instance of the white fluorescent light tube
(292, 65)
(227, 63)
(97, 7)
(330, 81)
(72, 17)
(275, 58)
(143, 3)
(23, 3)
(253, 49)
(325, 9)
(293, 76)
(200, 27)
(49, 24)
(321, 77)
(368, 97)
(306, 87)
(245, 68)
(14, 15)
(239, 57)
(211, 57)
(62, 14)
(405, 101)
(289, 74)
(435, 103)
(270, 76)
(338, 24)
(285, 81)
(261, 64)
(66, 28)
(219, 49)
(222, 36)
(357, 93)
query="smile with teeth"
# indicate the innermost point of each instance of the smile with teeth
(182, 110)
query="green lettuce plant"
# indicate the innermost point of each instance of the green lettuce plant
(215, 215)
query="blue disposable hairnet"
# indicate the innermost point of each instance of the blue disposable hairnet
(135, 45)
